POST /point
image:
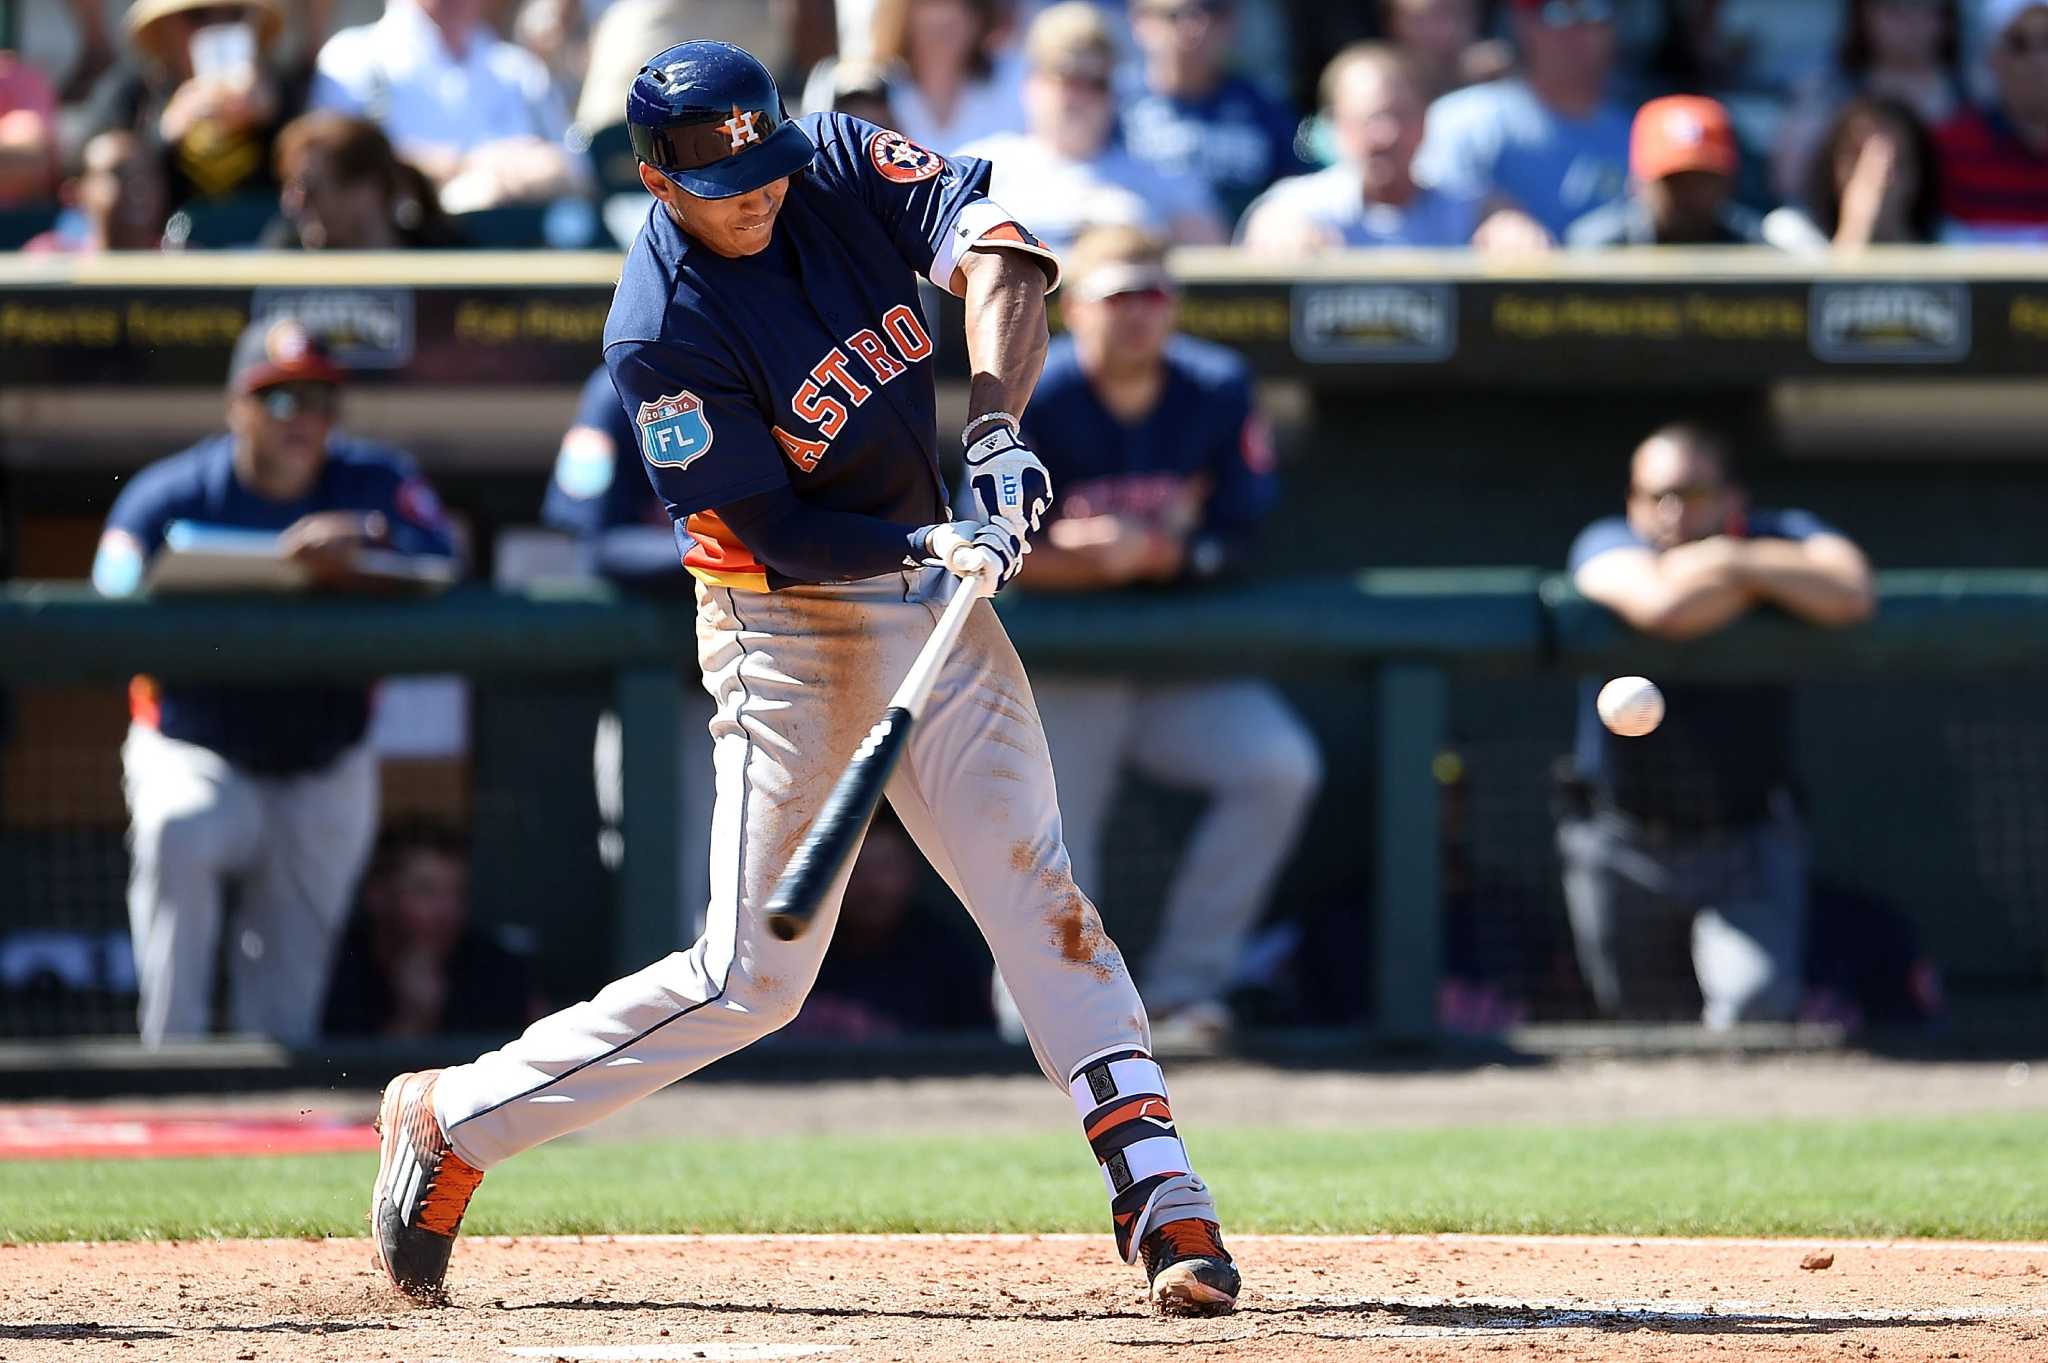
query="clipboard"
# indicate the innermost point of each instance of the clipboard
(198, 558)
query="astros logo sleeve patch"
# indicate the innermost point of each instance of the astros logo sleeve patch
(901, 161)
(674, 432)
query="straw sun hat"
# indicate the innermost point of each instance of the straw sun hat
(146, 28)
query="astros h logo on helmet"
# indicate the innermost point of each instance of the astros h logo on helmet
(740, 127)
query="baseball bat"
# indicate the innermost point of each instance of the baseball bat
(836, 834)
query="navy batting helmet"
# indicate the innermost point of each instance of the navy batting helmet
(708, 116)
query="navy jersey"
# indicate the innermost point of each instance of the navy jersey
(1236, 139)
(269, 730)
(1203, 438)
(808, 364)
(1723, 751)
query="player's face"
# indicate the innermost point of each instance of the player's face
(281, 437)
(738, 226)
(1677, 494)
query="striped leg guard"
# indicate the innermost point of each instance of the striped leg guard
(1121, 1096)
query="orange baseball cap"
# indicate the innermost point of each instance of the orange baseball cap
(1680, 133)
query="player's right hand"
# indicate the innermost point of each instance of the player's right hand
(991, 553)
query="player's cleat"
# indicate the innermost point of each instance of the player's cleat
(422, 1189)
(1191, 1272)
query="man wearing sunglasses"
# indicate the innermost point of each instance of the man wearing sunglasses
(1688, 841)
(1549, 143)
(274, 787)
(1166, 471)
(1994, 160)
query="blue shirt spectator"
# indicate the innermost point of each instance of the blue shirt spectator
(1551, 142)
(272, 786)
(1723, 750)
(1193, 118)
(268, 729)
(1690, 836)
(1200, 445)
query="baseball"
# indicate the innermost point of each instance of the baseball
(1631, 706)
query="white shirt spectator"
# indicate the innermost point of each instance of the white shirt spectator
(1056, 197)
(400, 73)
(1333, 200)
(984, 108)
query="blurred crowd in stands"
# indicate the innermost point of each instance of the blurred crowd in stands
(1285, 125)
(1115, 130)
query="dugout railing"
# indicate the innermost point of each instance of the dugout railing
(1399, 640)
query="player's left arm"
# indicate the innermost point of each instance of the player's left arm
(1006, 330)
(944, 225)
(1822, 578)
(1006, 340)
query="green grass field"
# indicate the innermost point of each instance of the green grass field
(1983, 1177)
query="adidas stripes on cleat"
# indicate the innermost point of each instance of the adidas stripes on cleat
(422, 1189)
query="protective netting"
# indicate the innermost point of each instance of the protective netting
(1926, 803)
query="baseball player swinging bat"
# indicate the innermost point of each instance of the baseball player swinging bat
(836, 837)
(767, 341)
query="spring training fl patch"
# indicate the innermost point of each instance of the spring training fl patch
(673, 430)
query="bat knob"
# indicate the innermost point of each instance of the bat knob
(786, 927)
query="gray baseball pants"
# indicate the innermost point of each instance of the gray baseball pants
(799, 676)
(1236, 742)
(1739, 896)
(296, 843)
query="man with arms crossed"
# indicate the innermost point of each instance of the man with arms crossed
(1692, 832)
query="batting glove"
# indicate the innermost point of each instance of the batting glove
(988, 555)
(1008, 481)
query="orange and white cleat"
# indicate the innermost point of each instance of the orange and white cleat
(1192, 1274)
(422, 1189)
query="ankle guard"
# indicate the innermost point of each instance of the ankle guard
(1121, 1096)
